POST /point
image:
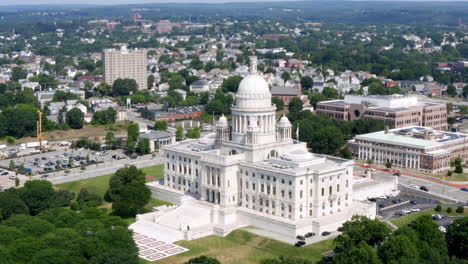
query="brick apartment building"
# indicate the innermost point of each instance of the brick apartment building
(398, 110)
(126, 63)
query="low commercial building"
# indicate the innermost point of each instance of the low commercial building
(416, 147)
(397, 110)
(159, 139)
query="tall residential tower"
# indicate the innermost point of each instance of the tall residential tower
(126, 63)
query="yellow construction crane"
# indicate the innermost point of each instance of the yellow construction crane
(39, 130)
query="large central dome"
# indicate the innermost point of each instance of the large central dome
(253, 92)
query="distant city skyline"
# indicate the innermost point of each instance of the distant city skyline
(120, 2)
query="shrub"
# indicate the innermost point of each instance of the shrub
(449, 210)
(460, 209)
(438, 208)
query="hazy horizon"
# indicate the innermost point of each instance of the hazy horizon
(120, 2)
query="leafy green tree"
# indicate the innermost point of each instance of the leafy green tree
(133, 131)
(451, 120)
(121, 178)
(123, 87)
(345, 153)
(131, 200)
(9, 234)
(18, 73)
(361, 229)
(24, 249)
(388, 164)
(438, 208)
(62, 96)
(376, 88)
(465, 91)
(451, 90)
(105, 117)
(30, 225)
(203, 260)
(307, 82)
(75, 118)
(160, 125)
(358, 254)
(278, 102)
(294, 107)
(150, 81)
(37, 195)
(231, 84)
(193, 132)
(286, 76)
(110, 140)
(398, 250)
(57, 256)
(179, 133)
(458, 168)
(330, 93)
(130, 145)
(143, 146)
(457, 238)
(11, 204)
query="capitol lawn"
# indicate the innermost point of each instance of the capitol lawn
(244, 247)
(99, 185)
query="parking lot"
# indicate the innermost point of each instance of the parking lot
(60, 160)
(402, 202)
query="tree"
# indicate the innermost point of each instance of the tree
(458, 168)
(330, 93)
(160, 125)
(460, 209)
(398, 249)
(121, 178)
(286, 76)
(123, 87)
(133, 131)
(465, 91)
(11, 204)
(143, 146)
(361, 229)
(37, 195)
(388, 164)
(231, 84)
(131, 200)
(307, 82)
(110, 140)
(449, 210)
(358, 254)
(75, 118)
(451, 120)
(193, 132)
(150, 81)
(451, 90)
(457, 238)
(438, 208)
(203, 260)
(105, 117)
(18, 73)
(376, 88)
(179, 133)
(294, 107)
(130, 145)
(278, 102)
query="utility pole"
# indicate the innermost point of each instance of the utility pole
(39, 130)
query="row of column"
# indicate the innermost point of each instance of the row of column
(381, 156)
(266, 123)
(213, 196)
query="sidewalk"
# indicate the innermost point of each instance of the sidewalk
(427, 178)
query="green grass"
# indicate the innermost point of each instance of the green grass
(405, 220)
(99, 185)
(243, 247)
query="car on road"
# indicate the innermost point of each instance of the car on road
(464, 189)
(397, 174)
(413, 202)
(424, 188)
(397, 201)
(3, 173)
(300, 237)
(414, 186)
(325, 233)
(12, 177)
(310, 234)
(44, 176)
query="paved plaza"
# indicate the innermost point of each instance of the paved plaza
(152, 249)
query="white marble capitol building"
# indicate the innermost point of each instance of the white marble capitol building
(250, 172)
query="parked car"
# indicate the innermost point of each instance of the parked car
(413, 202)
(300, 237)
(12, 177)
(310, 234)
(4, 173)
(414, 186)
(464, 189)
(44, 176)
(325, 233)
(436, 217)
(300, 243)
(397, 174)
(424, 188)
(415, 210)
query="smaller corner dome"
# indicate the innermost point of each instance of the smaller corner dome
(254, 86)
(284, 122)
(222, 121)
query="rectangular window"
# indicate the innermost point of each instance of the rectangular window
(323, 191)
